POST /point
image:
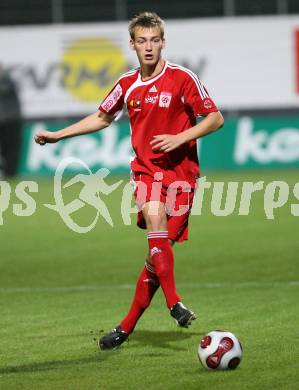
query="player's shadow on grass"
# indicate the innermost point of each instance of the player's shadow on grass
(158, 339)
(162, 339)
(53, 365)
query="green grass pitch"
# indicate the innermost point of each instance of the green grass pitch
(59, 290)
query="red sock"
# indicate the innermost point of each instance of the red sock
(162, 258)
(146, 287)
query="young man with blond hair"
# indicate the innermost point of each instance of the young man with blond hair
(163, 101)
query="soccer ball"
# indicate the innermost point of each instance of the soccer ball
(220, 350)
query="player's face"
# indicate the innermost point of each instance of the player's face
(148, 45)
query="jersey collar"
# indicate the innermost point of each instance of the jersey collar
(153, 79)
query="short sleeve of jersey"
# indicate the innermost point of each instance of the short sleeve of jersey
(196, 96)
(114, 101)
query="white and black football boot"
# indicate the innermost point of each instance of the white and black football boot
(113, 339)
(182, 315)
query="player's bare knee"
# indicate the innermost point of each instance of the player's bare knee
(156, 222)
(155, 216)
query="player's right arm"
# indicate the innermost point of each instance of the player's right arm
(94, 122)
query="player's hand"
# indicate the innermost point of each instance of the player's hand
(45, 137)
(166, 142)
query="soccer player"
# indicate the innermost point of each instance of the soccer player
(163, 101)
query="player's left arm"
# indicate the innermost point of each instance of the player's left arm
(168, 142)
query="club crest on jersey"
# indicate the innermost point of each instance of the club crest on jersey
(207, 103)
(165, 98)
(135, 103)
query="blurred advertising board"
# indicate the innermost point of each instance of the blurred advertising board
(246, 142)
(66, 70)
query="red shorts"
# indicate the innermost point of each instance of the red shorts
(178, 199)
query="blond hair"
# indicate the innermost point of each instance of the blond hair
(146, 20)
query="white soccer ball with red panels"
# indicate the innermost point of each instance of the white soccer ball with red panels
(220, 350)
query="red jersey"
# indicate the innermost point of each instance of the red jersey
(168, 103)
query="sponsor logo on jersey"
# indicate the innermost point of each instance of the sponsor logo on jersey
(153, 89)
(113, 98)
(207, 104)
(151, 99)
(165, 98)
